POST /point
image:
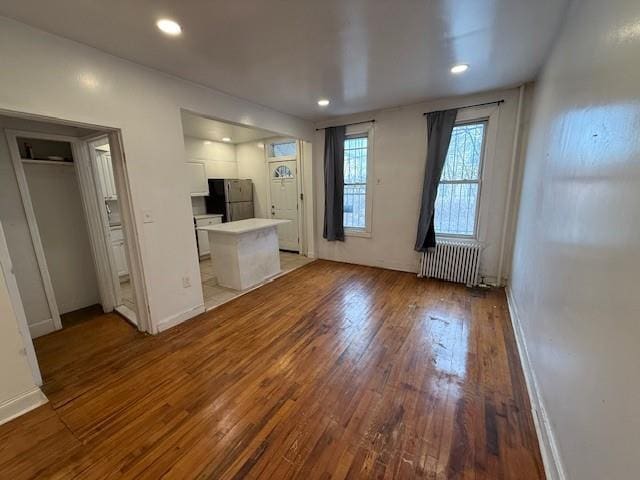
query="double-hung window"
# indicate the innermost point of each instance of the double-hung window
(356, 218)
(456, 209)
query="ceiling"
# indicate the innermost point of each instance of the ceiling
(286, 54)
(201, 127)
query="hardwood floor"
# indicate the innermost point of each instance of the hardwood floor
(332, 371)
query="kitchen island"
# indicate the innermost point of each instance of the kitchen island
(244, 253)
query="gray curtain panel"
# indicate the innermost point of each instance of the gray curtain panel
(439, 128)
(334, 183)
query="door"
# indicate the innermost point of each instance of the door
(239, 190)
(283, 185)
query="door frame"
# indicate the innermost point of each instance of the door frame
(80, 149)
(114, 280)
(27, 205)
(129, 229)
(299, 185)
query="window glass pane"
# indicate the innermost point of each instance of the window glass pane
(286, 149)
(355, 182)
(465, 151)
(455, 212)
(355, 206)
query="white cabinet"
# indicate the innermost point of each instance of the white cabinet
(105, 173)
(117, 245)
(203, 237)
(198, 184)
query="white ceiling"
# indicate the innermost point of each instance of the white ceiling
(285, 54)
(201, 127)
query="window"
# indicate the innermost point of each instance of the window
(458, 192)
(282, 172)
(356, 153)
(282, 149)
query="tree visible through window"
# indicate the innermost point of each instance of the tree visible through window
(458, 191)
(355, 182)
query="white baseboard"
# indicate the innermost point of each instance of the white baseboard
(23, 403)
(546, 439)
(397, 266)
(174, 320)
(42, 328)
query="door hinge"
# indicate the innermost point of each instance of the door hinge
(302, 196)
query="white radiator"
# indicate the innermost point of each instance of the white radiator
(454, 261)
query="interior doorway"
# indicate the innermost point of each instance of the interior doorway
(111, 223)
(55, 246)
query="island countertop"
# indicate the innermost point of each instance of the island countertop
(243, 226)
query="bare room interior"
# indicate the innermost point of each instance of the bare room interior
(335, 240)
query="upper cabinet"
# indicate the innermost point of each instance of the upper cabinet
(198, 184)
(105, 172)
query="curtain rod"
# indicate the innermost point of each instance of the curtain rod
(373, 120)
(497, 102)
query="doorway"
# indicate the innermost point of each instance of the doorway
(111, 225)
(55, 249)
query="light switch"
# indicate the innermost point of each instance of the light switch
(147, 216)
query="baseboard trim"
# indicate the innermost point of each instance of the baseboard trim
(177, 319)
(42, 328)
(553, 466)
(21, 404)
(398, 267)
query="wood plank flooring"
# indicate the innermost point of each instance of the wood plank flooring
(332, 371)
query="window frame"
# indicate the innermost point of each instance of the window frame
(356, 131)
(476, 222)
(268, 145)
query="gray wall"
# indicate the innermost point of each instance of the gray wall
(577, 248)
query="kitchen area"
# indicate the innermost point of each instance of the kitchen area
(247, 232)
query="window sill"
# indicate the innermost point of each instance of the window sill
(356, 233)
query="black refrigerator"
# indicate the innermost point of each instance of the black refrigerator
(231, 197)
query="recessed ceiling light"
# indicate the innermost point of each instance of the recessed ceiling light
(323, 102)
(207, 142)
(169, 26)
(463, 67)
(226, 139)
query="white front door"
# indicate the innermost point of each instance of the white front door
(283, 186)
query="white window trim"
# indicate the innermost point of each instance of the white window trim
(489, 114)
(355, 130)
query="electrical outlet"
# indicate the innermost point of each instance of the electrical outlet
(186, 282)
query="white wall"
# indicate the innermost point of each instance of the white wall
(85, 85)
(576, 259)
(57, 204)
(252, 164)
(219, 158)
(399, 150)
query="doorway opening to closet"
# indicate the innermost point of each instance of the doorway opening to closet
(58, 241)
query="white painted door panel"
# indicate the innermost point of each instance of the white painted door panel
(283, 186)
